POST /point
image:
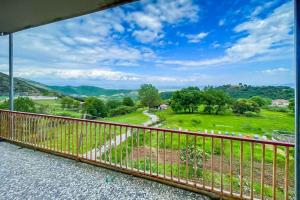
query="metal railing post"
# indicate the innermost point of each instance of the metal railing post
(11, 76)
(297, 100)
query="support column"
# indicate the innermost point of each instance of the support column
(297, 100)
(11, 75)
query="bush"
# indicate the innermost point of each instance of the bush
(251, 114)
(196, 122)
(278, 109)
(122, 110)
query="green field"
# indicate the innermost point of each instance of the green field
(53, 107)
(266, 122)
(136, 117)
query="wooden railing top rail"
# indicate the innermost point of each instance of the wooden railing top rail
(210, 135)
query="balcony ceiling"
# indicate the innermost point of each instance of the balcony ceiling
(17, 15)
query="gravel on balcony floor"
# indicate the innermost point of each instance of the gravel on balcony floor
(29, 174)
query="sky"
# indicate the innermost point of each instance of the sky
(170, 44)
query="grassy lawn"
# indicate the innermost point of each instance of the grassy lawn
(54, 108)
(136, 117)
(265, 123)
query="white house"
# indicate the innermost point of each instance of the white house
(280, 103)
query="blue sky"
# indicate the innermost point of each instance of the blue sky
(166, 43)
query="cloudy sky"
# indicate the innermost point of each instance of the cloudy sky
(166, 43)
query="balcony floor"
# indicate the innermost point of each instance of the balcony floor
(28, 174)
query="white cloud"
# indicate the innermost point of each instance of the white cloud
(157, 14)
(221, 22)
(269, 38)
(196, 38)
(275, 71)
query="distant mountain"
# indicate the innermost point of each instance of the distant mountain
(89, 91)
(24, 87)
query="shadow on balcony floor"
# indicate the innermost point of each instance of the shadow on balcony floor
(28, 174)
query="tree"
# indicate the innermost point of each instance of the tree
(241, 106)
(209, 100)
(292, 104)
(187, 99)
(127, 101)
(222, 99)
(95, 107)
(149, 95)
(112, 104)
(260, 101)
(24, 104)
(66, 102)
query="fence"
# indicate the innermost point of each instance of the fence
(227, 166)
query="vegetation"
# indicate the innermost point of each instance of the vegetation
(88, 90)
(24, 87)
(242, 106)
(186, 100)
(265, 123)
(95, 107)
(248, 91)
(149, 96)
(22, 104)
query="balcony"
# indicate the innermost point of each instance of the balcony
(211, 164)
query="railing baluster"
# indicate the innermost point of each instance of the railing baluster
(95, 141)
(126, 148)
(203, 162)
(145, 152)
(138, 149)
(179, 157)
(157, 152)
(115, 146)
(286, 176)
(100, 145)
(121, 147)
(262, 189)
(195, 161)
(274, 171)
(151, 152)
(241, 169)
(230, 167)
(105, 151)
(171, 155)
(131, 161)
(187, 158)
(164, 135)
(251, 169)
(110, 145)
(212, 163)
(221, 164)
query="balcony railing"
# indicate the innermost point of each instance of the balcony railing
(233, 167)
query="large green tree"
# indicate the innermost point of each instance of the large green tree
(127, 101)
(149, 95)
(187, 100)
(95, 107)
(241, 106)
(22, 104)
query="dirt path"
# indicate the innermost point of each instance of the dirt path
(97, 152)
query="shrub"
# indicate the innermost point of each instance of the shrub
(251, 114)
(122, 110)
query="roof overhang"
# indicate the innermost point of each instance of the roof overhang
(17, 15)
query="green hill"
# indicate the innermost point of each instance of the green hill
(247, 91)
(24, 87)
(89, 91)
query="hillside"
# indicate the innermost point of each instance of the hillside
(247, 91)
(89, 91)
(24, 87)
